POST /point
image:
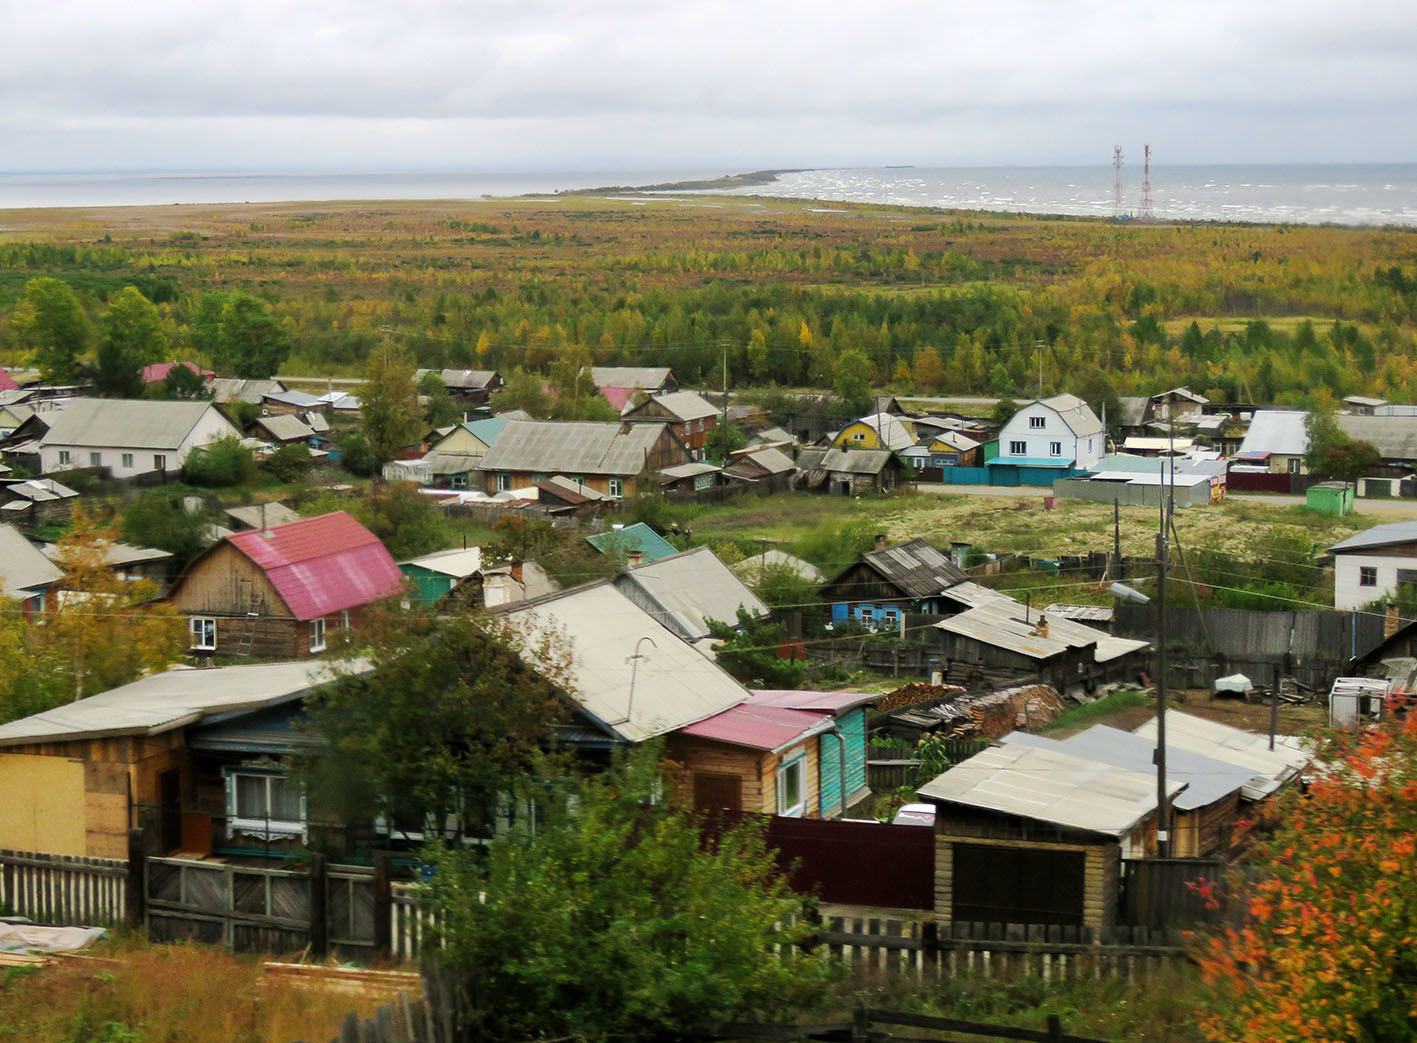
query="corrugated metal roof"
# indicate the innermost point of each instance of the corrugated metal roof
(688, 470)
(1205, 779)
(630, 377)
(1280, 431)
(889, 428)
(1083, 613)
(856, 461)
(115, 553)
(40, 490)
(294, 398)
(631, 539)
(235, 389)
(693, 587)
(285, 427)
(1048, 785)
(759, 727)
(1394, 437)
(813, 702)
(126, 423)
(1000, 623)
(170, 700)
(251, 515)
(685, 405)
(769, 458)
(24, 568)
(322, 565)
(460, 562)
(601, 630)
(916, 568)
(463, 379)
(1271, 768)
(1075, 414)
(753, 567)
(1380, 536)
(572, 447)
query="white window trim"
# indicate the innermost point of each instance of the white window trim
(1037, 423)
(1055, 448)
(617, 487)
(64, 457)
(797, 763)
(1018, 447)
(198, 626)
(95, 459)
(159, 462)
(262, 828)
(317, 634)
(127, 459)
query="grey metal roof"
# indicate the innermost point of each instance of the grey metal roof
(1270, 768)
(1394, 437)
(771, 436)
(1206, 779)
(249, 517)
(892, 432)
(39, 490)
(572, 447)
(1000, 622)
(24, 568)
(460, 562)
(601, 629)
(916, 568)
(126, 423)
(855, 461)
(685, 405)
(1049, 785)
(753, 567)
(772, 460)
(462, 379)
(235, 389)
(1279, 431)
(688, 470)
(1076, 414)
(300, 399)
(285, 427)
(116, 554)
(1379, 536)
(1083, 613)
(691, 588)
(170, 700)
(647, 377)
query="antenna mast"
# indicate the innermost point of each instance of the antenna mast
(1146, 213)
(1117, 195)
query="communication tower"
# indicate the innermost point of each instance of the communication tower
(1146, 213)
(1117, 195)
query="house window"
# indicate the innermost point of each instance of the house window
(1036, 422)
(1018, 448)
(791, 787)
(95, 459)
(617, 487)
(1294, 465)
(859, 436)
(63, 456)
(159, 462)
(1367, 576)
(203, 633)
(317, 635)
(892, 618)
(1055, 448)
(127, 459)
(504, 482)
(263, 804)
(459, 481)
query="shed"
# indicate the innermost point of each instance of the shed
(1270, 769)
(843, 745)
(1334, 499)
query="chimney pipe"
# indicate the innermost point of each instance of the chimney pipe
(880, 541)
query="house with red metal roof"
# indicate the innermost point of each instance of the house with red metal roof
(157, 372)
(284, 591)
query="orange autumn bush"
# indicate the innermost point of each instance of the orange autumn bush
(1326, 949)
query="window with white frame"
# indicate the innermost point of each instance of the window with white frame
(504, 482)
(264, 803)
(617, 487)
(203, 630)
(159, 462)
(1055, 448)
(317, 635)
(1037, 422)
(1367, 575)
(127, 459)
(792, 786)
(63, 456)
(95, 459)
(1018, 448)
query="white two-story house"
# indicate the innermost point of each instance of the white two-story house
(1049, 435)
(1371, 565)
(129, 436)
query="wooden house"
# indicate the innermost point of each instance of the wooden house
(876, 431)
(227, 390)
(889, 581)
(690, 417)
(279, 592)
(36, 502)
(469, 387)
(1032, 835)
(689, 479)
(619, 384)
(610, 458)
(849, 472)
(189, 756)
(127, 562)
(27, 576)
(765, 468)
(937, 451)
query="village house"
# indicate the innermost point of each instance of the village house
(129, 437)
(27, 575)
(35, 502)
(1032, 835)
(876, 431)
(282, 429)
(1270, 770)
(934, 452)
(157, 373)
(1371, 565)
(690, 417)
(633, 543)
(128, 563)
(686, 590)
(1046, 439)
(690, 479)
(1276, 441)
(618, 384)
(472, 387)
(763, 468)
(461, 576)
(848, 472)
(282, 401)
(195, 758)
(561, 496)
(12, 415)
(279, 592)
(226, 390)
(887, 582)
(608, 457)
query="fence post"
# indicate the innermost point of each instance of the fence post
(136, 899)
(861, 1024)
(319, 908)
(1055, 1028)
(383, 905)
(930, 946)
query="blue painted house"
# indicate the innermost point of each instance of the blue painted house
(889, 581)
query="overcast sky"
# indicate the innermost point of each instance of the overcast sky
(575, 85)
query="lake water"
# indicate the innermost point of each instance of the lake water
(1357, 194)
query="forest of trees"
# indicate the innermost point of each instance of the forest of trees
(938, 303)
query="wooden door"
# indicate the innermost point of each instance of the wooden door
(1017, 885)
(717, 791)
(169, 786)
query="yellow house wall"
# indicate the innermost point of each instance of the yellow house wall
(847, 437)
(461, 440)
(43, 804)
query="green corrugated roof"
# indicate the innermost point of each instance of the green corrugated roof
(637, 537)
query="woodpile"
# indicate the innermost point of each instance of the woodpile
(915, 694)
(951, 712)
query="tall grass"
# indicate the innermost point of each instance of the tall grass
(1091, 712)
(133, 992)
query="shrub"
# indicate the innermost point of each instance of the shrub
(224, 463)
(291, 462)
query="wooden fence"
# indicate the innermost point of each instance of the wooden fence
(64, 891)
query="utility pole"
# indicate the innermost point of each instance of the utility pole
(1116, 539)
(1163, 811)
